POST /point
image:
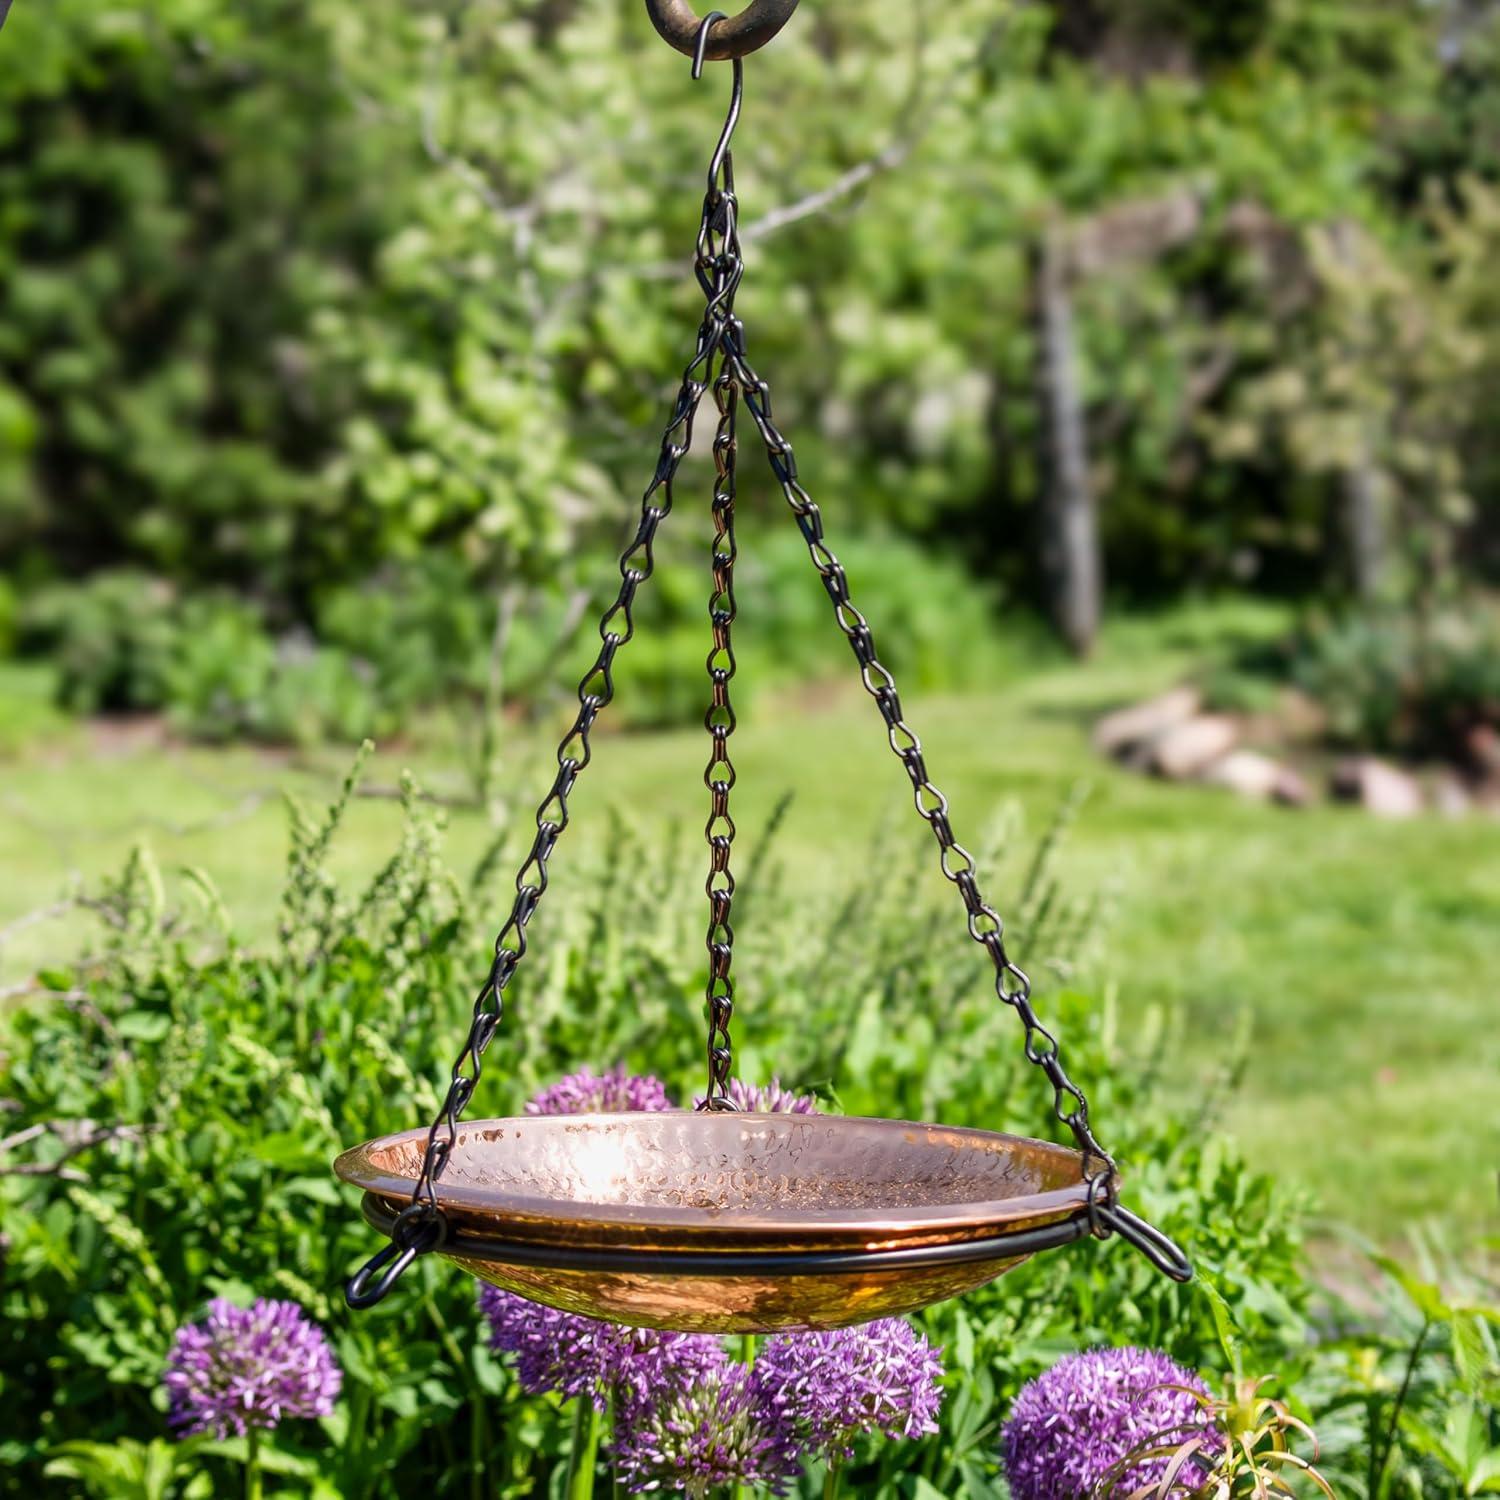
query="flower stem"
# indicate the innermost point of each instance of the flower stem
(583, 1452)
(1378, 1470)
(252, 1464)
(747, 1356)
(831, 1480)
(614, 1437)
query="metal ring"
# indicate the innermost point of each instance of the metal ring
(736, 37)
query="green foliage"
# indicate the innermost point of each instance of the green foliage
(1409, 1395)
(420, 636)
(1393, 682)
(934, 622)
(210, 1087)
(291, 297)
(111, 640)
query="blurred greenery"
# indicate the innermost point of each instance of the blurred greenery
(306, 304)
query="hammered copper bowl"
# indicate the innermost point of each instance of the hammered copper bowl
(734, 1223)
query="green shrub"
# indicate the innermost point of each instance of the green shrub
(318, 694)
(111, 638)
(422, 634)
(1400, 682)
(935, 623)
(9, 610)
(422, 631)
(219, 669)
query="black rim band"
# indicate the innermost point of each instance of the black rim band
(462, 1243)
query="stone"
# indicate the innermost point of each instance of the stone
(1379, 787)
(1247, 772)
(1259, 778)
(1451, 796)
(1120, 732)
(1292, 788)
(1187, 749)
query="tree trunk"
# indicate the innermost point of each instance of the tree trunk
(1362, 511)
(1364, 526)
(1071, 563)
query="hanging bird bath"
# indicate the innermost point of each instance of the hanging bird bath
(717, 1220)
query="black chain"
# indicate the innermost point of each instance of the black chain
(958, 865)
(723, 268)
(719, 268)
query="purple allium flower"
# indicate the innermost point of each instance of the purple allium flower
(614, 1092)
(1071, 1426)
(834, 1387)
(716, 1432)
(770, 1099)
(246, 1367)
(577, 1356)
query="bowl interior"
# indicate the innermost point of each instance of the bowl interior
(750, 1168)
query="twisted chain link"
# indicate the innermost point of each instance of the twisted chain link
(724, 267)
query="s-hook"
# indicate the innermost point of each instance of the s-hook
(736, 36)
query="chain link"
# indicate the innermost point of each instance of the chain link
(724, 267)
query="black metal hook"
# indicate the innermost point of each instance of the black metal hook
(392, 1261)
(736, 37)
(700, 47)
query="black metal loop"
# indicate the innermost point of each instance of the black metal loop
(1159, 1248)
(733, 37)
(358, 1291)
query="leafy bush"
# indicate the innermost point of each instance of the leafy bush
(423, 634)
(1400, 681)
(187, 1095)
(111, 638)
(299, 293)
(933, 620)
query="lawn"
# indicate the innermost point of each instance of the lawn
(1361, 952)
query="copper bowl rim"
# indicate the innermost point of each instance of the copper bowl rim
(542, 1217)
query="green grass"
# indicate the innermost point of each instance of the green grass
(1364, 952)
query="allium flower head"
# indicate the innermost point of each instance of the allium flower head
(833, 1388)
(771, 1099)
(1069, 1428)
(613, 1092)
(768, 1099)
(577, 1356)
(244, 1367)
(702, 1438)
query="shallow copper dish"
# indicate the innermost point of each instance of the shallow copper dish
(730, 1223)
